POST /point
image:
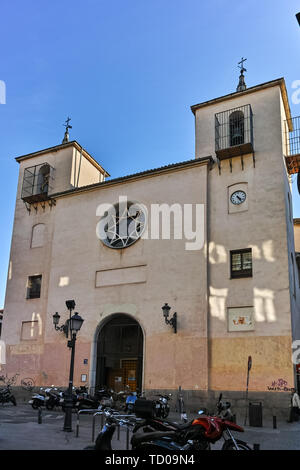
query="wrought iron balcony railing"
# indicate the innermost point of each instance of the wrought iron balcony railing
(234, 132)
(37, 183)
(292, 144)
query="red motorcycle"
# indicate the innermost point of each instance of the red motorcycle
(201, 431)
(215, 428)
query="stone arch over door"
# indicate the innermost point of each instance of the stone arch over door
(119, 353)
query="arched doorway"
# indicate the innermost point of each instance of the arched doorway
(120, 354)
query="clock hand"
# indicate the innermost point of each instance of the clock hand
(239, 198)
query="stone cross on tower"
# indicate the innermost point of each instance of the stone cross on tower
(242, 85)
(67, 126)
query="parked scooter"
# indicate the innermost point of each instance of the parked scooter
(63, 395)
(85, 400)
(52, 398)
(6, 396)
(38, 399)
(130, 401)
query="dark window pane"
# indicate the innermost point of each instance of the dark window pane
(34, 287)
(241, 263)
(247, 260)
(236, 262)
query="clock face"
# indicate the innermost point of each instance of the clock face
(238, 197)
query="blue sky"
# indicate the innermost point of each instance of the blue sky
(127, 71)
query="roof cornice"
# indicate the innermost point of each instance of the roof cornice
(56, 148)
(136, 176)
(278, 82)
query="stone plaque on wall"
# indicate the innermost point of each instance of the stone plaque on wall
(241, 319)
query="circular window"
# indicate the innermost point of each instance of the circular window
(124, 224)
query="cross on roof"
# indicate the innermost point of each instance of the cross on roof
(242, 66)
(67, 125)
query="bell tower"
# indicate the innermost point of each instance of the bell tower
(252, 139)
(56, 169)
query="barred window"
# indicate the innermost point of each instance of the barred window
(241, 263)
(34, 287)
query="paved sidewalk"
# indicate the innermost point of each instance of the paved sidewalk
(19, 430)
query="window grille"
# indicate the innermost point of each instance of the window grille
(234, 132)
(37, 183)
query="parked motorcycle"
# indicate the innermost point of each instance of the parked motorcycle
(105, 397)
(85, 400)
(130, 402)
(52, 398)
(63, 395)
(6, 396)
(224, 409)
(38, 399)
(202, 431)
(162, 406)
(149, 440)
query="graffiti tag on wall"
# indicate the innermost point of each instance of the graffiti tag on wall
(279, 385)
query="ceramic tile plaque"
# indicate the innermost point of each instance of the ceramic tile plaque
(241, 319)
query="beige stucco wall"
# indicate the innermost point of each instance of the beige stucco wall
(82, 172)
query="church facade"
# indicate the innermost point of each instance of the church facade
(212, 237)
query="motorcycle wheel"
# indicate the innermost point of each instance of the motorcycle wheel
(35, 405)
(229, 445)
(13, 400)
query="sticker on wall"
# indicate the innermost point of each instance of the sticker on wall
(240, 319)
(83, 377)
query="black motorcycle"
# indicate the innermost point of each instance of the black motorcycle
(6, 396)
(64, 395)
(52, 398)
(105, 397)
(162, 406)
(169, 438)
(85, 401)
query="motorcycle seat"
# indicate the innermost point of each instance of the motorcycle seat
(179, 426)
(150, 436)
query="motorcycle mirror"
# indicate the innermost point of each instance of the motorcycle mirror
(220, 396)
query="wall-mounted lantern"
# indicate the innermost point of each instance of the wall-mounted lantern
(173, 321)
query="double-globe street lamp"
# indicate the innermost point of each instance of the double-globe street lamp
(72, 326)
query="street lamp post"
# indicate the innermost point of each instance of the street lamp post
(72, 325)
